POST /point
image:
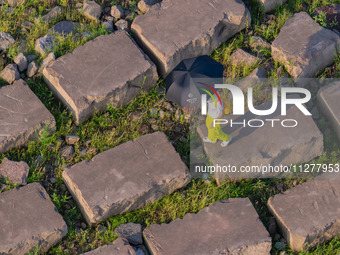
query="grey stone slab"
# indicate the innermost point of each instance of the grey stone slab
(29, 219)
(52, 14)
(243, 58)
(175, 30)
(22, 116)
(10, 73)
(119, 247)
(126, 177)
(270, 5)
(110, 69)
(92, 10)
(328, 100)
(131, 231)
(304, 46)
(45, 44)
(65, 27)
(308, 214)
(272, 144)
(6, 40)
(16, 172)
(229, 226)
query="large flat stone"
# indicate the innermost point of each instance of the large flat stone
(126, 177)
(22, 116)
(309, 213)
(175, 30)
(110, 69)
(272, 144)
(229, 226)
(119, 247)
(29, 219)
(328, 100)
(305, 47)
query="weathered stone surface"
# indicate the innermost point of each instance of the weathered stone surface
(30, 58)
(44, 44)
(52, 14)
(328, 100)
(122, 25)
(272, 144)
(126, 177)
(48, 60)
(119, 247)
(6, 40)
(15, 2)
(132, 232)
(255, 78)
(241, 57)
(10, 73)
(258, 43)
(229, 226)
(197, 28)
(108, 25)
(117, 12)
(92, 10)
(270, 5)
(29, 219)
(76, 77)
(65, 27)
(21, 62)
(144, 5)
(16, 172)
(308, 214)
(19, 121)
(72, 139)
(32, 69)
(304, 46)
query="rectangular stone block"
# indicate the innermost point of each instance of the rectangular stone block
(265, 142)
(175, 29)
(229, 226)
(29, 219)
(110, 69)
(328, 100)
(23, 117)
(305, 47)
(309, 213)
(119, 247)
(126, 177)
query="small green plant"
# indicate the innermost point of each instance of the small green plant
(321, 18)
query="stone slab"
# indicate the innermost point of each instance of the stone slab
(16, 172)
(119, 247)
(29, 219)
(305, 47)
(328, 100)
(229, 226)
(22, 116)
(272, 144)
(126, 177)
(131, 231)
(65, 27)
(309, 213)
(110, 69)
(174, 30)
(270, 5)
